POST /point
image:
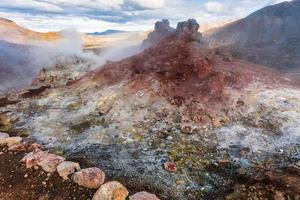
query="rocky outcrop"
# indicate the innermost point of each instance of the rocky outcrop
(162, 30)
(186, 30)
(34, 91)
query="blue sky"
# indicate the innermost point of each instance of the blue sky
(100, 15)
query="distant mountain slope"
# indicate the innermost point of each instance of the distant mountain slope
(107, 32)
(273, 23)
(270, 36)
(11, 32)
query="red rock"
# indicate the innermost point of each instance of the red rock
(111, 191)
(46, 160)
(91, 177)
(33, 158)
(143, 196)
(171, 167)
(50, 162)
(25, 147)
(35, 147)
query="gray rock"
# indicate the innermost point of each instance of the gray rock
(162, 30)
(3, 135)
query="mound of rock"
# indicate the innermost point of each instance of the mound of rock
(185, 72)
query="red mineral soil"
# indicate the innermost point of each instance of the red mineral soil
(188, 72)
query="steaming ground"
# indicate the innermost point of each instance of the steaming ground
(130, 134)
(20, 64)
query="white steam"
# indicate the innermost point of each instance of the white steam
(19, 64)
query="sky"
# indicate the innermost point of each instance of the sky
(133, 15)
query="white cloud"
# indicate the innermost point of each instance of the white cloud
(30, 4)
(98, 15)
(151, 4)
(214, 7)
(95, 4)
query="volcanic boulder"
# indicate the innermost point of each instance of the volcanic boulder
(162, 30)
(188, 30)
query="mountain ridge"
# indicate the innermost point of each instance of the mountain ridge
(269, 36)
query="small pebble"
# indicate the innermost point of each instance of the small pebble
(170, 138)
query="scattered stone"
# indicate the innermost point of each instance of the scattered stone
(170, 167)
(33, 158)
(3, 135)
(25, 147)
(18, 148)
(67, 168)
(143, 196)
(170, 138)
(91, 177)
(224, 162)
(50, 162)
(240, 103)
(187, 129)
(279, 196)
(241, 171)
(35, 147)
(43, 159)
(111, 191)
(10, 141)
